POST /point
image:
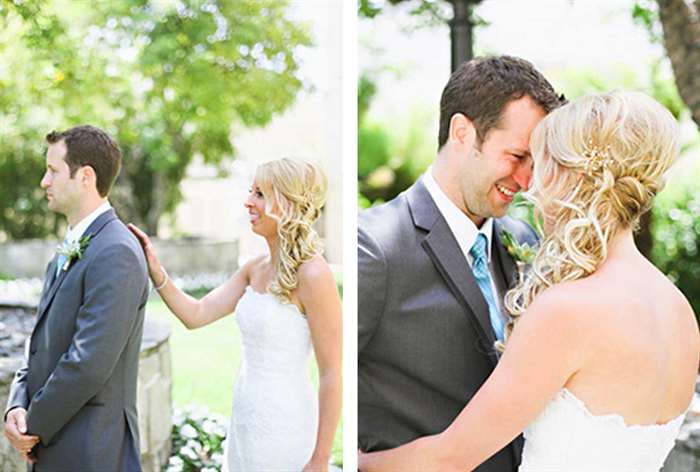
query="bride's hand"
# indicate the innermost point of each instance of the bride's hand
(418, 455)
(315, 466)
(154, 268)
(361, 459)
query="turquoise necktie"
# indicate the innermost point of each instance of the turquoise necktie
(62, 258)
(480, 268)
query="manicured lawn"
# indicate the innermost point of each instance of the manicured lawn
(205, 362)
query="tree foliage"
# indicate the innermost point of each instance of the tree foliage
(167, 79)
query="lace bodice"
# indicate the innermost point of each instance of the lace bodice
(567, 437)
(276, 336)
(275, 406)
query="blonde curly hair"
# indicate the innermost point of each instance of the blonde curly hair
(599, 161)
(295, 192)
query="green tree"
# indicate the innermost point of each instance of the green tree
(676, 24)
(168, 80)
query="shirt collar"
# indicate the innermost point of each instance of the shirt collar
(462, 227)
(75, 233)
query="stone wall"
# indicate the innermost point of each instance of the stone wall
(685, 456)
(27, 259)
(154, 387)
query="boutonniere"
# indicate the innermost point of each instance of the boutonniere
(520, 252)
(523, 254)
(73, 250)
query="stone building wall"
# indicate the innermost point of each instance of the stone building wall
(28, 259)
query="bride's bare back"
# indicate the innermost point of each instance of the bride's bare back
(642, 358)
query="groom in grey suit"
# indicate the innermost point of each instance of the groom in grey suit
(72, 406)
(432, 269)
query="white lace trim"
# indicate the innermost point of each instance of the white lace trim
(618, 419)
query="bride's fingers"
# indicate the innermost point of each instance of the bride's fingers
(143, 237)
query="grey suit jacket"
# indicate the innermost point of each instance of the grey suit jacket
(78, 382)
(425, 341)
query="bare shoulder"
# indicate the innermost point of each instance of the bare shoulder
(573, 309)
(566, 300)
(254, 264)
(317, 290)
(315, 270)
(687, 320)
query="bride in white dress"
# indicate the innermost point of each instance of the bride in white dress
(286, 306)
(601, 366)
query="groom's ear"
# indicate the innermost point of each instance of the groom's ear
(89, 176)
(462, 131)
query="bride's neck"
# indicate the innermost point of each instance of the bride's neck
(273, 245)
(622, 245)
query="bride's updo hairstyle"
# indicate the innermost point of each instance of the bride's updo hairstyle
(599, 161)
(295, 192)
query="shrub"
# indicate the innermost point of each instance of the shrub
(676, 230)
(198, 441)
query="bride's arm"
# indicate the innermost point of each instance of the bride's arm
(319, 297)
(191, 312)
(549, 344)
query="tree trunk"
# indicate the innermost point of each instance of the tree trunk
(461, 33)
(681, 24)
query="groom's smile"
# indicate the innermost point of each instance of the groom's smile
(506, 193)
(501, 166)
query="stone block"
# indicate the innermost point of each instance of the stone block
(154, 398)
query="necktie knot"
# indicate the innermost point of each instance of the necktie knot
(61, 258)
(478, 250)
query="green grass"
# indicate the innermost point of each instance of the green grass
(205, 362)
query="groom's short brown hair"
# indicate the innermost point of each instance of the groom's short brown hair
(90, 146)
(481, 88)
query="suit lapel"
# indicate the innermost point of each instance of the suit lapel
(92, 230)
(505, 260)
(49, 279)
(442, 248)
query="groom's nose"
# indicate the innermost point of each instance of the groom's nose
(45, 181)
(523, 174)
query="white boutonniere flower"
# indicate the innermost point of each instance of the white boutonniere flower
(520, 252)
(73, 250)
(523, 254)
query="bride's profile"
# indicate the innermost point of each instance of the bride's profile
(286, 305)
(601, 359)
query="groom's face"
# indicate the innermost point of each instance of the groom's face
(63, 192)
(491, 175)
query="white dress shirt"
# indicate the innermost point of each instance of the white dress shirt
(463, 228)
(75, 233)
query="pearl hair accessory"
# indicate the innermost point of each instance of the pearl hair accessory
(598, 158)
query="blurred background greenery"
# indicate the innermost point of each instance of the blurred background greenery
(167, 79)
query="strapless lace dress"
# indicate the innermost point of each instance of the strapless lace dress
(274, 415)
(567, 437)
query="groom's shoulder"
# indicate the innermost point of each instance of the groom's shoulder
(116, 240)
(385, 221)
(522, 231)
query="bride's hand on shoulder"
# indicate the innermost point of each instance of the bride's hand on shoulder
(154, 268)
